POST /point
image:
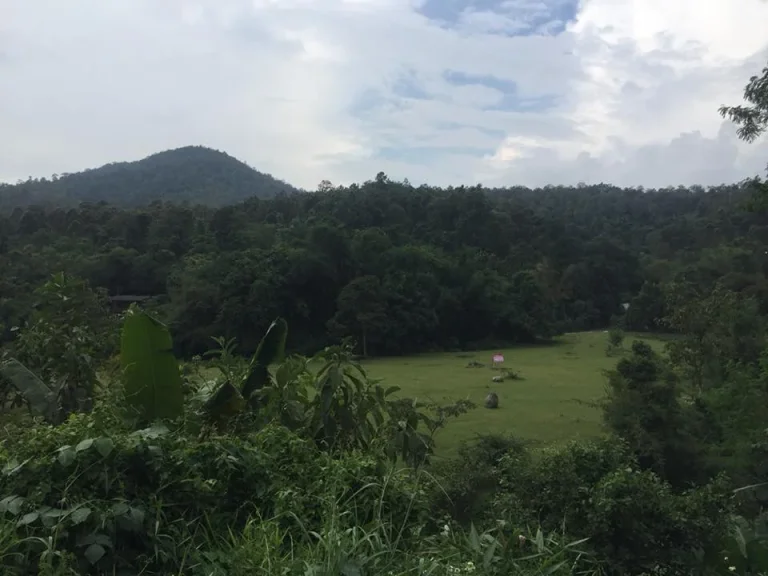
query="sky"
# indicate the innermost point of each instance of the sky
(492, 92)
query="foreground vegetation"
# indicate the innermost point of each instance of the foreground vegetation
(117, 458)
(300, 465)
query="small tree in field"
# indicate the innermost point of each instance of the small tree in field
(615, 341)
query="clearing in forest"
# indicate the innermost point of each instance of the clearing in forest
(550, 403)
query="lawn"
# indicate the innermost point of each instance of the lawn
(549, 404)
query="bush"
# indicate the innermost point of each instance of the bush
(467, 482)
(615, 341)
(113, 498)
(632, 518)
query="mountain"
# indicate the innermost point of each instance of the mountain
(196, 174)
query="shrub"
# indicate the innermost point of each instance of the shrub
(110, 499)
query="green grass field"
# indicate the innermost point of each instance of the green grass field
(549, 404)
(553, 402)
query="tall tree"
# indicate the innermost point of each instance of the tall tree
(752, 121)
(361, 309)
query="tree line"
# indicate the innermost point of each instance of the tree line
(400, 269)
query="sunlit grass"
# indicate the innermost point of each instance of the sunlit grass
(551, 403)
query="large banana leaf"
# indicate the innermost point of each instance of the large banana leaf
(271, 350)
(152, 378)
(39, 396)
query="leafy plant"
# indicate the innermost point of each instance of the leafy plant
(347, 409)
(615, 341)
(61, 347)
(232, 396)
(40, 398)
(152, 379)
(270, 351)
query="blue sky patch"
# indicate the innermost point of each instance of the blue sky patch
(522, 17)
(510, 101)
(463, 79)
(407, 86)
(514, 103)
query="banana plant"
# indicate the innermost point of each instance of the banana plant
(153, 383)
(233, 397)
(41, 399)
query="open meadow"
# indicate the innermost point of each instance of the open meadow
(550, 403)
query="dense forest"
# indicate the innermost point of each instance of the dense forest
(400, 269)
(192, 174)
(227, 425)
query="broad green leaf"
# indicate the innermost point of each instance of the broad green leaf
(80, 515)
(66, 456)
(12, 504)
(474, 539)
(94, 553)
(50, 516)
(40, 397)
(271, 350)
(154, 432)
(50, 512)
(28, 519)
(120, 508)
(104, 446)
(84, 445)
(152, 379)
(488, 557)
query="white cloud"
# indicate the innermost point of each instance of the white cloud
(634, 86)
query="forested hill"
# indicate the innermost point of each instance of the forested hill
(194, 173)
(404, 268)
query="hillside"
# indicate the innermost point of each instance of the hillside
(194, 173)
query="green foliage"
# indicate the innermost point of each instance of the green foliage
(56, 356)
(346, 409)
(241, 388)
(40, 398)
(320, 469)
(151, 372)
(411, 269)
(361, 310)
(717, 331)
(112, 497)
(615, 341)
(647, 309)
(270, 350)
(752, 121)
(644, 407)
(636, 523)
(746, 549)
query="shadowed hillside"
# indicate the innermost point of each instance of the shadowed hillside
(194, 173)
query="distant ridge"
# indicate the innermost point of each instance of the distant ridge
(195, 174)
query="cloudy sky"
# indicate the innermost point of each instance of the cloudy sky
(441, 91)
